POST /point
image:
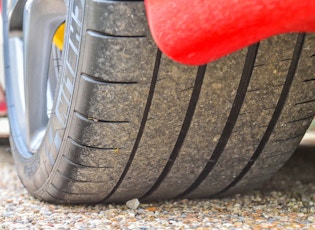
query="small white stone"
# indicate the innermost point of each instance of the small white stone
(311, 219)
(133, 204)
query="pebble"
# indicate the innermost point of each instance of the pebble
(133, 204)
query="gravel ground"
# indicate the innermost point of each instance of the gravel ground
(287, 201)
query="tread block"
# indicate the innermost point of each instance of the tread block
(57, 196)
(101, 134)
(118, 59)
(95, 157)
(87, 174)
(111, 102)
(117, 18)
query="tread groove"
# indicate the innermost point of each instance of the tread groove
(305, 102)
(69, 178)
(108, 35)
(100, 81)
(302, 119)
(184, 130)
(231, 121)
(83, 166)
(95, 120)
(143, 123)
(87, 146)
(77, 181)
(276, 115)
(307, 80)
(72, 193)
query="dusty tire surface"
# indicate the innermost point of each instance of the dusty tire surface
(130, 123)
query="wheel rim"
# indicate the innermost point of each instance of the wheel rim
(32, 90)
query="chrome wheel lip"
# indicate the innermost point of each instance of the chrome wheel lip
(33, 88)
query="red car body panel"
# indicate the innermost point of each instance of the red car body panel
(199, 31)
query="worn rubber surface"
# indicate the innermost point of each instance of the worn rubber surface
(130, 123)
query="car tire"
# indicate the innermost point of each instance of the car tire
(128, 122)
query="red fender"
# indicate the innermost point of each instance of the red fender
(196, 32)
(3, 107)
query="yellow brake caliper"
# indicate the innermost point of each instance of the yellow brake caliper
(58, 39)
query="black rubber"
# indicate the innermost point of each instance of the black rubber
(130, 123)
